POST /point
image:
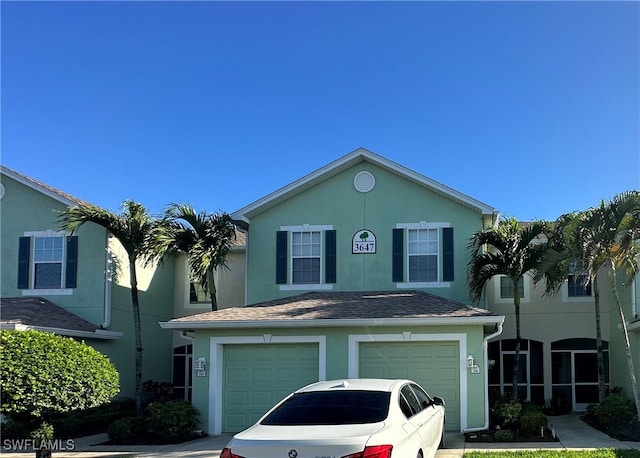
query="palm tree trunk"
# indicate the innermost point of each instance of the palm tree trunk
(516, 361)
(600, 350)
(137, 331)
(212, 289)
(625, 333)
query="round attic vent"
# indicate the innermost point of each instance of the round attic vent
(364, 182)
(1, 190)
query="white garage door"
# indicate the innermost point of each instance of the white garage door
(434, 365)
(256, 377)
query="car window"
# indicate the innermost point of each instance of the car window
(346, 407)
(424, 399)
(407, 393)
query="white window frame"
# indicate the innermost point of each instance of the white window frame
(567, 298)
(32, 291)
(306, 286)
(526, 285)
(417, 226)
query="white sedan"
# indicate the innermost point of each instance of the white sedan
(358, 418)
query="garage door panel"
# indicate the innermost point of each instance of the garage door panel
(434, 365)
(255, 377)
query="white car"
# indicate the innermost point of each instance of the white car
(358, 418)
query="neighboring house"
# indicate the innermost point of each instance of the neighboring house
(356, 270)
(68, 284)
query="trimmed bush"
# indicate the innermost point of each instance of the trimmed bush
(508, 411)
(531, 422)
(127, 431)
(614, 409)
(171, 421)
(504, 435)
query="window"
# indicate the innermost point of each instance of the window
(198, 293)
(47, 263)
(422, 255)
(578, 286)
(306, 257)
(507, 288)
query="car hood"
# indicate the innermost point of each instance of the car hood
(309, 441)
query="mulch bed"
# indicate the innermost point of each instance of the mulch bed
(488, 436)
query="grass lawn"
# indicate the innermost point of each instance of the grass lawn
(605, 453)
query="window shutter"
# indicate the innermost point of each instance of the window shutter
(398, 256)
(281, 257)
(71, 271)
(330, 256)
(447, 254)
(24, 252)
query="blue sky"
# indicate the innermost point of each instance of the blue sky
(530, 107)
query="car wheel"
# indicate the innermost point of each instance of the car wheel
(420, 454)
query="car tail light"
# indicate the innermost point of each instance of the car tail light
(226, 453)
(377, 451)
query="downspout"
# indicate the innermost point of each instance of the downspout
(187, 335)
(486, 384)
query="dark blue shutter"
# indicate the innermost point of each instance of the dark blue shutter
(71, 271)
(281, 257)
(447, 254)
(24, 251)
(330, 256)
(398, 256)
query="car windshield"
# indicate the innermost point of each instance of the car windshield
(331, 408)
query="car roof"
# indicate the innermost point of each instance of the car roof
(367, 384)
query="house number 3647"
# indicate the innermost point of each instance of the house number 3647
(364, 241)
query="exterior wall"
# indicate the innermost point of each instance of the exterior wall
(230, 285)
(629, 299)
(155, 290)
(339, 351)
(336, 202)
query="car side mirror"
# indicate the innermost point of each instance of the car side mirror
(437, 400)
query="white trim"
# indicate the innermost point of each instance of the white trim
(566, 298)
(422, 225)
(97, 334)
(354, 357)
(311, 286)
(41, 189)
(424, 284)
(331, 323)
(308, 228)
(216, 360)
(48, 292)
(46, 233)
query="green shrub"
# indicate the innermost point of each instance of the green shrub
(503, 435)
(531, 422)
(153, 391)
(530, 407)
(43, 373)
(508, 411)
(127, 430)
(614, 409)
(170, 421)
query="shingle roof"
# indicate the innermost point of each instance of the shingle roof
(61, 196)
(368, 305)
(39, 313)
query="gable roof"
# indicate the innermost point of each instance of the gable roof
(359, 308)
(334, 168)
(45, 189)
(37, 313)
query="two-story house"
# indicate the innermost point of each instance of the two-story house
(355, 270)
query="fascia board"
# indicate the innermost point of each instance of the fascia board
(334, 323)
(41, 189)
(345, 162)
(98, 334)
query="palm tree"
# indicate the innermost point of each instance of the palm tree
(206, 239)
(596, 242)
(131, 228)
(566, 256)
(508, 249)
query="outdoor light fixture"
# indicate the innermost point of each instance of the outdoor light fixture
(470, 360)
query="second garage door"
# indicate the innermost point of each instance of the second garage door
(256, 377)
(434, 365)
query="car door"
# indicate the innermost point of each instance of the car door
(426, 417)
